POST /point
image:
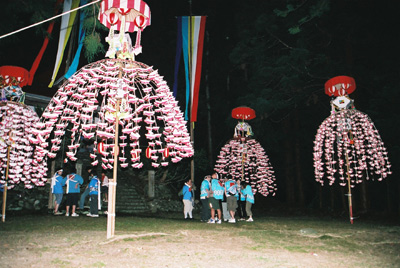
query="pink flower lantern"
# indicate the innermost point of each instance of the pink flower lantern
(85, 107)
(347, 146)
(124, 16)
(245, 159)
(16, 125)
(123, 105)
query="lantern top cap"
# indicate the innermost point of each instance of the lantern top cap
(340, 86)
(15, 75)
(135, 14)
(244, 113)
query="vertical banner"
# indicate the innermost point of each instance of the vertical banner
(67, 21)
(38, 58)
(74, 65)
(192, 30)
(197, 57)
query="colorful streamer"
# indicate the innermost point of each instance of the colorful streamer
(74, 65)
(192, 29)
(65, 31)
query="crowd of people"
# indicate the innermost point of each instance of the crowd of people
(71, 185)
(222, 199)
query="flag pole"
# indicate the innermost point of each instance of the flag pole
(349, 189)
(112, 189)
(191, 124)
(5, 185)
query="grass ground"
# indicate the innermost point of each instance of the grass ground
(169, 241)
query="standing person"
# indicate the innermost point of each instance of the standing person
(248, 192)
(104, 186)
(187, 199)
(94, 188)
(224, 204)
(231, 197)
(73, 183)
(204, 195)
(86, 191)
(57, 183)
(241, 199)
(217, 192)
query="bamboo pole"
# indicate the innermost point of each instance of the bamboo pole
(112, 189)
(5, 185)
(349, 189)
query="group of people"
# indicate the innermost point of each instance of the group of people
(72, 183)
(221, 198)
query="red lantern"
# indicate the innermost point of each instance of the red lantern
(124, 11)
(244, 113)
(134, 153)
(148, 152)
(113, 18)
(100, 148)
(166, 152)
(340, 86)
(140, 21)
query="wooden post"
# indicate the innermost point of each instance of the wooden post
(151, 186)
(50, 204)
(112, 185)
(5, 185)
(349, 189)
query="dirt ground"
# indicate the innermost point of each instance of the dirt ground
(183, 248)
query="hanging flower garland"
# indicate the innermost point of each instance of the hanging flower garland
(347, 144)
(16, 125)
(244, 158)
(86, 107)
(349, 134)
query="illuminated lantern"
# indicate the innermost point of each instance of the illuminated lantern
(148, 152)
(340, 86)
(244, 158)
(124, 11)
(166, 152)
(100, 148)
(347, 146)
(134, 153)
(112, 19)
(140, 21)
(243, 113)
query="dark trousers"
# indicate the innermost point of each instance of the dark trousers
(94, 201)
(205, 210)
(242, 209)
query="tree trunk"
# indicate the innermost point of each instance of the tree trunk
(364, 197)
(299, 181)
(290, 195)
(332, 198)
(209, 130)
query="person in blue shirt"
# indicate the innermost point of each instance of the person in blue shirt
(187, 199)
(216, 196)
(241, 199)
(248, 192)
(94, 192)
(57, 183)
(204, 195)
(73, 182)
(231, 196)
(85, 192)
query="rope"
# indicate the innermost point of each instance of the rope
(52, 18)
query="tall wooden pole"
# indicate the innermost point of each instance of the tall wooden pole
(349, 189)
(191, 98)
(112, 185)
(5, 185)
